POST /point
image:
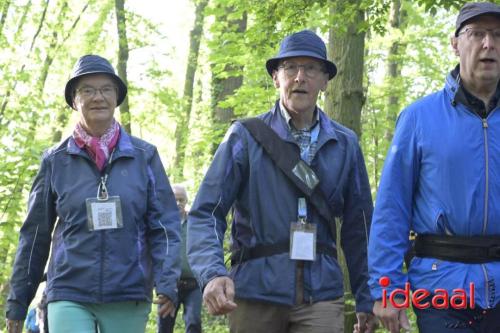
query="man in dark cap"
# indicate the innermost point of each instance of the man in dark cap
(441, 181)
(287, 175)
(102, 207)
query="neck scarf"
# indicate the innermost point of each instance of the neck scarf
(98, 148)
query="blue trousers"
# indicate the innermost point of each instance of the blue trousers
(475, 320)
(191, 299)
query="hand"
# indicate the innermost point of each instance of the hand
(392, 318)
(167, 306)
(367, 323)
(218, 296)
(14, 326)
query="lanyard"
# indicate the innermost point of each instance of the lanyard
(302, 210)
(102, 190)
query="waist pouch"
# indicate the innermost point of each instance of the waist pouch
(187, 284)
(471, 250)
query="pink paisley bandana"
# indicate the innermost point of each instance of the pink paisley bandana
(98, 148)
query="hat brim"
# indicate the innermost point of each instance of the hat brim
(122, 88)
(491, 13)
(272, 63)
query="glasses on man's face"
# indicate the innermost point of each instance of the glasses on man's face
(311, 70)
(478, 34)
(89, 92)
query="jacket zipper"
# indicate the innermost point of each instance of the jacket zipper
(101, 296)
(486, 191)
(485, 131)
(103, 241)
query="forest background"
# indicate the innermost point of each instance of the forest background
(192, 66)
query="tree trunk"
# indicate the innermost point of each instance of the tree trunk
(122, 60)
(182, 129)
(5, 11)
(344, 99)
(49, 57)
(393, 71)
(344, 96)
(223, 87)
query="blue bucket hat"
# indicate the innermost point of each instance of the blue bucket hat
(474, 9)
(304, 43)
(93, 64)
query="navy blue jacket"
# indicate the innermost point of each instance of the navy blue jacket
(242, 176)
(105, 265)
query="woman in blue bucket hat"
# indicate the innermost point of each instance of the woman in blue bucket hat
(101, 206)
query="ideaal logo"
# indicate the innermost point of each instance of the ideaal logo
(419, 298)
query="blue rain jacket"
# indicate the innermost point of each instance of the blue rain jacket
(441, 176)
(244, 177)
(105, 265)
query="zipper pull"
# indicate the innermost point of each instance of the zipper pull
(485, 123)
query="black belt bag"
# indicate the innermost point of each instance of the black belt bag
(471, 250)
(187, 284)
(260, 251)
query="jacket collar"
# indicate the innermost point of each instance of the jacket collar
(279, 125)
(124, 147)
(457, 92)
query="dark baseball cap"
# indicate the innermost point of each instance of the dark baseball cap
(474, 9)
(93, 64)
(304, 43)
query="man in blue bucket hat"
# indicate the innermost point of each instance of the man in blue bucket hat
(287, 174)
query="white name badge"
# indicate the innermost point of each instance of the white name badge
(104, 214)
(303, 241)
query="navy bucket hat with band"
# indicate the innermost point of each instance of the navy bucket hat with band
(304, 43)
(474, 9)
(93, 64)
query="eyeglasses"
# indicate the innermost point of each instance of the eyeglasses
(311, 70)
(478, 35)
(89, 92)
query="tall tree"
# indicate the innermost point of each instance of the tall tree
(226, 73)
(344, 96)
(182, 129)
(123, 51)
(4, 12)
(396, 21)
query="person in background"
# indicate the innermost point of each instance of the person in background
(32, 321)
(102, 206)
(441, 181)
(287, 174)
(189, 292)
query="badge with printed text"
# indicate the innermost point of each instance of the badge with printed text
(302, 241)
(104, 213)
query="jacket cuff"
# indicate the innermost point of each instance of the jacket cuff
(172, 295)
(366, 307)
(206, 278)
(15, 311)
